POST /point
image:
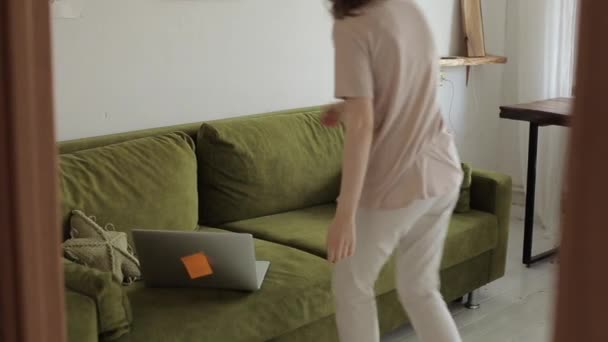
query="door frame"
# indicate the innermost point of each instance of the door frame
(31, 280)
(582, 300)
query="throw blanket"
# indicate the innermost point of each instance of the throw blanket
(113, 309)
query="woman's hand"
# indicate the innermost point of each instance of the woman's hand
(333, 115)
(341, 239)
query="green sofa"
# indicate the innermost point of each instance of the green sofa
(275, 176)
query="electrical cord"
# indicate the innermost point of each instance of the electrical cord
(453, 90)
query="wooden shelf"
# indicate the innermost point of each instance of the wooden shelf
(471, 61)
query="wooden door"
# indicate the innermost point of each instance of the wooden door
(582, 297)
(31, 283)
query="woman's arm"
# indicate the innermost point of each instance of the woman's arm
(358, 119)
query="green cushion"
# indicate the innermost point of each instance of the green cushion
(306, 230)
(296, 292)
(111, 303)
(456, 281)
(82, 317)
(464, 199)
(256, 166)
(469, 235)
(144, 183)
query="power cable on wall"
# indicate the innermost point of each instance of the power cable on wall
(444, 79)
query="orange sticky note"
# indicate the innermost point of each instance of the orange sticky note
(197, 265)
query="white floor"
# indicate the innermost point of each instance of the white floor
(517, 307)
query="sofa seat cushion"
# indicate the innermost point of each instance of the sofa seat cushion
(145, 183)
(305, 230)
(470, 234)
(295, 292)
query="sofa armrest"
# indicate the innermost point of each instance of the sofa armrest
(111, 304)
(82, 317)
(491, 192)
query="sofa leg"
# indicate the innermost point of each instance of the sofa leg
(471, 303)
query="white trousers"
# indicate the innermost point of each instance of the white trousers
(416, 235)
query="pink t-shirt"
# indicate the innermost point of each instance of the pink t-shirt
(387, 53)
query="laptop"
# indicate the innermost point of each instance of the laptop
(230, 255)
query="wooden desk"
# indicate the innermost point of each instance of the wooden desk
(554, 112)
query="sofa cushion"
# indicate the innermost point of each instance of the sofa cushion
(295, 292)
(464, 198)
(144, 183)
(470, 234)
(256, 166)
(306, 230)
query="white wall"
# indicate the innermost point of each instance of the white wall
(134, 64)
(475, 108)
(444, 17)
(131, 64)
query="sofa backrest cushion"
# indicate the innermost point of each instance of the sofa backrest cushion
(256, 166)
(147, 183)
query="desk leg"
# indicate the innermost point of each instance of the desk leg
(528, 259)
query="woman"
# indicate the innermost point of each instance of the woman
(401, 171)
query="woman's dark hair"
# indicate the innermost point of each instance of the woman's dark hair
(347, 8)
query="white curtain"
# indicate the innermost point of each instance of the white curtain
(541, 47)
